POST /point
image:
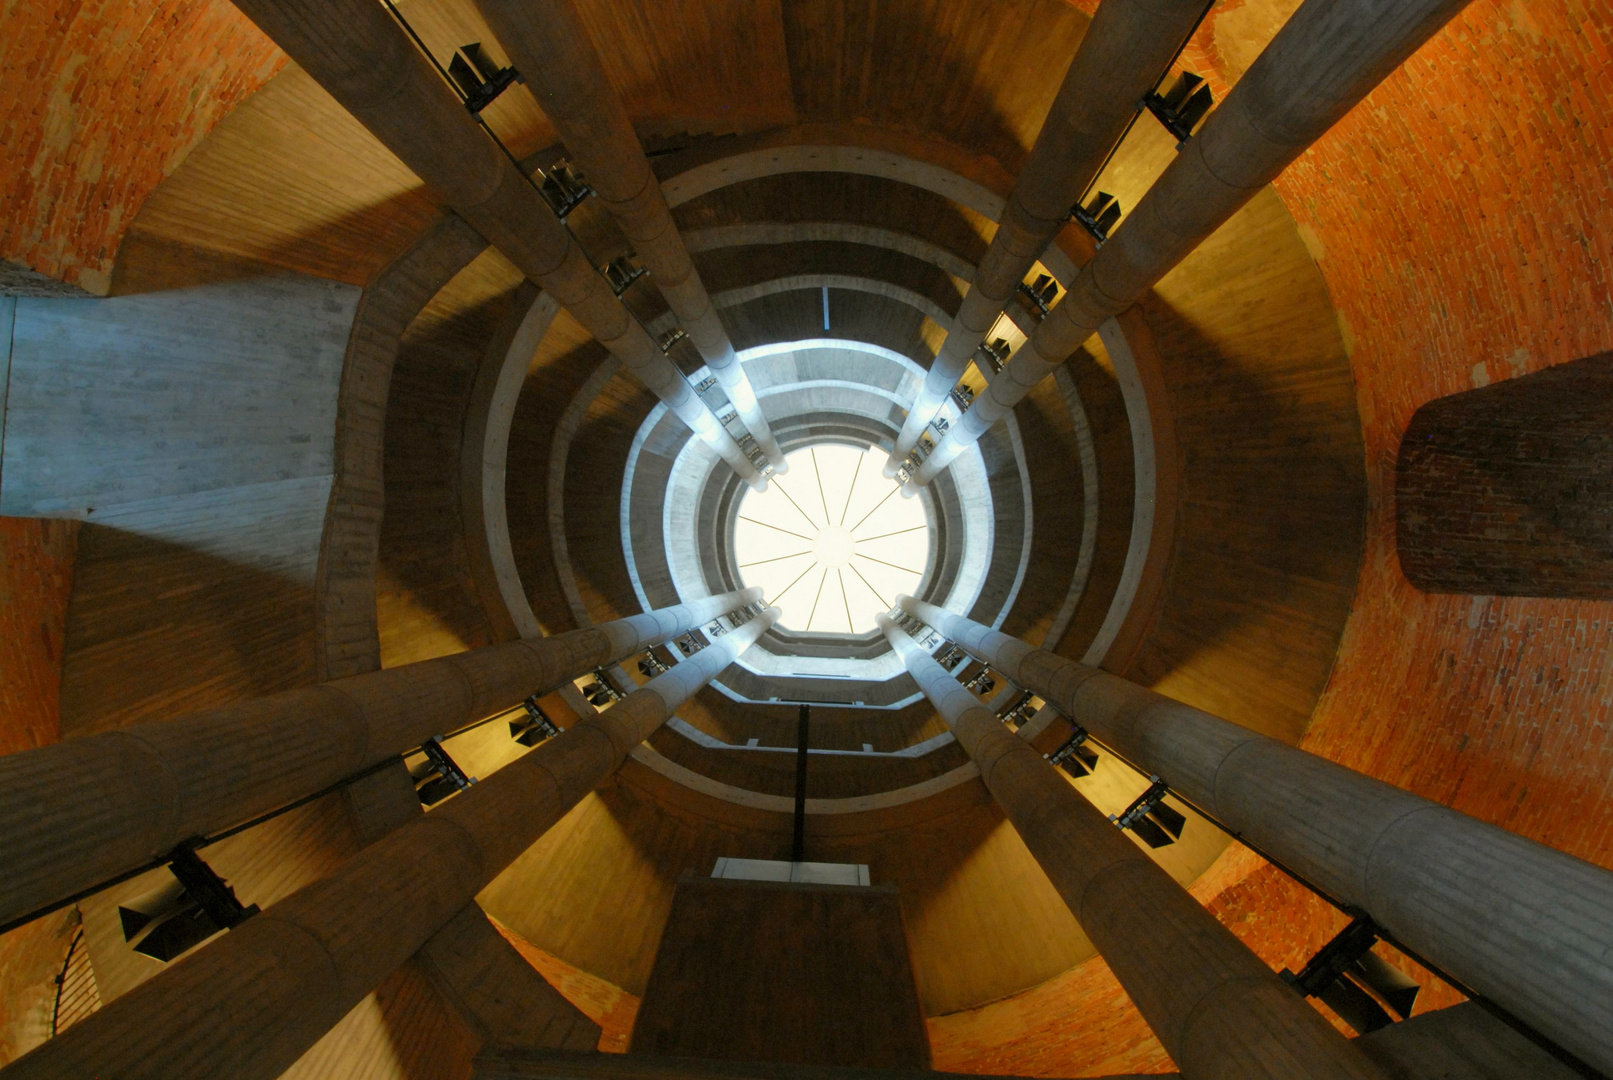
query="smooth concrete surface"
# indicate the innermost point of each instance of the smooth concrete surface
(552, 48)
(366, 61)
(203, 418)
(1461, 1042)
(251, 1002)
(1127, 46)
(508, 1063)
(1326, 58)
(1514, 920)
(81, 811)
(785, 972)
(501, 997)
(1218, 1010)
(484, 451)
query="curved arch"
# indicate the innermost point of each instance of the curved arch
(982, 185)
(760, 233)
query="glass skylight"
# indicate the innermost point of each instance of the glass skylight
(832, 542)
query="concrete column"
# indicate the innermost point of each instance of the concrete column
(498, 995)
(1328, 56)
(1507, 491)
(250, 1003)
(1217, 1009)
(1514, 920)
(1126, 49)
(551, 48)
(81, 811)
(365, 60)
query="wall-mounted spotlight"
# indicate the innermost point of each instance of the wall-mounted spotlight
(1098, 217)
(535, 726)
(621, 272)
(1041, 293)
(1182, 107)
(562, 188)
(479, 79)
(439, 775)
(993, 354)
(181, 914)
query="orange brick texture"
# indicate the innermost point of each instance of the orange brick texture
(101, 99)
(1508, 489)
(36, 577)
(1462, 217)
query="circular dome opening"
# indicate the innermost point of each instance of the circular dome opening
(831, 543)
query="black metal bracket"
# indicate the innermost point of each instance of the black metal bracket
(1097, 217)
(1181, 107)
(671, 337)
(993, 354)
(1149, 817)
(963, 397)
(1020, 710)
(203, 885)
(562, 188)
(176, 917)
(650, 665)
(536, 727)
(981, 682)
(1041, 293)
(951, 657)
(1074, 756)
(1353, 982)
(479, 79)
(440, 775)
(621, 272)
(602, 691)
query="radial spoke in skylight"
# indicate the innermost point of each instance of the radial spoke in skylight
(831, 544)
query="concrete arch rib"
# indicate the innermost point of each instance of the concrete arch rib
(982, 185)
(760, 233)
(855, 283)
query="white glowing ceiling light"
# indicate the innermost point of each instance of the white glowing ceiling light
(832, 543)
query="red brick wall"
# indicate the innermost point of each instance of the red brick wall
(1492, 260)
(36, 577)
(99, 100)
(1463, 219)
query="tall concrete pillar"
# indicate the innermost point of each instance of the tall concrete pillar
(1513, 920)
(1125, 50)
(1507, 490)
(365, 60)
(1217, 1009)
(250, 1003)
(551, 48)
(84, 810)
(1328, 56)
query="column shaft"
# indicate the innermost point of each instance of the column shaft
(81, 811)
(1326, 58)
(1514, 920)
(251, 1002)
(551, 48)
(1126, 47)
(365, 60)
(1506, 490)
(1217, 1009)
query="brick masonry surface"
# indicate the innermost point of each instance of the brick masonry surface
(36, 576)
(1462, 217)
(99, 101)
(1508, 489)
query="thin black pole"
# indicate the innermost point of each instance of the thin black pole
(798, 848)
